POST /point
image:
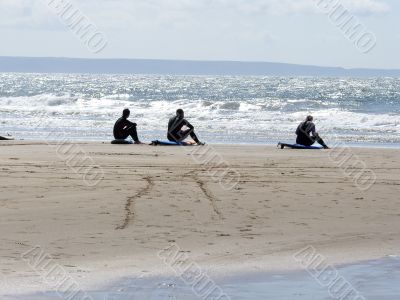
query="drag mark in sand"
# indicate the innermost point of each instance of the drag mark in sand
(129, 212)
(207, 193)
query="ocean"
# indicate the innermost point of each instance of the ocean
(224, 109)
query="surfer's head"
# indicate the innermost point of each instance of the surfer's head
(126, 113)
(180, 113)
(309, 118)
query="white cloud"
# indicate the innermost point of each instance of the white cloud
(284, 7)
(121, 13)
(26, 14)
(367, 6)
(139, 13)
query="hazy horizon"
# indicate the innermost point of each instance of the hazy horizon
(179, 67)
(195, 60)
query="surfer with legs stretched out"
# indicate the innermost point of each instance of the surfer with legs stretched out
(307, 134)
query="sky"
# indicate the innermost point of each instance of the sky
(289, 31)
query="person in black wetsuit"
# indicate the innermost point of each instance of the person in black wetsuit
(307, 135)
(175, 132)
(124, 128)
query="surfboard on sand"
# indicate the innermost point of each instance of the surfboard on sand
(168, 143)
(121, 142)
(297, 146)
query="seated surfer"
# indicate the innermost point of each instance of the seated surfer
(307, 134)
(176, 131)
(124, 128)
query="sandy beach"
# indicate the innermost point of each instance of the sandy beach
(139, 200)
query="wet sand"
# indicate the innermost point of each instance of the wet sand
(372, 280)
(148, 198)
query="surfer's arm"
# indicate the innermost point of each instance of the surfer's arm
(188, 125)
(313, 130)
(130, 124)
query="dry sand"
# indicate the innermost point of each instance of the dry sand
(152, 197)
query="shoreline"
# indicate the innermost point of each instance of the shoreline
(380, 273)
(362, 145)
(153, 197)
